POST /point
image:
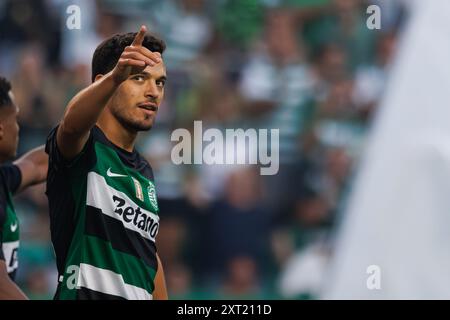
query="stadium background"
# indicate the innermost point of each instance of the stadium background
(311, 68)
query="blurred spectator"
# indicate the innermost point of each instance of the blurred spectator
(187, 30)
(344, 22)
(179, 281)
(370, 80)
(242, 280)
(236, 223)
(304, 274)
(277, 84)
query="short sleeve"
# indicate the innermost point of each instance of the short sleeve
(57, 160)
(12, 177)
(3, 203)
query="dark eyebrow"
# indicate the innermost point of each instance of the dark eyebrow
(148, 74)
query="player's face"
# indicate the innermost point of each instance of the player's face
(9, 130)
(136, 101)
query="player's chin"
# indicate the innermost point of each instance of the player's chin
(144, 125)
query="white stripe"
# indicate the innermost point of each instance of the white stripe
(8, 249)
(100, 195)
(106, 281)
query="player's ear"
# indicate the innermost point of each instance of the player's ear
(98, 77)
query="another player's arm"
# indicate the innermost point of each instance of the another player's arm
(8, 289)
(33, 167)
(160, 292)
(85, 108)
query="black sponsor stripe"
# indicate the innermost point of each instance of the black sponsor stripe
(122, 239)
(88, 294)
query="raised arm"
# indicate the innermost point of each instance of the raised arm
(33, 167)
(85, 108)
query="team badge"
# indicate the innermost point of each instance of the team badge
(152, 195)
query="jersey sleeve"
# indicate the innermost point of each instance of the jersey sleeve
(3, 201)
(12, 177)
(57, 161)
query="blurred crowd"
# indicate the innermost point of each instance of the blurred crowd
(310, 68)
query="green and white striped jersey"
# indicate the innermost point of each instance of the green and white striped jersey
(103, 220)
(10, 178)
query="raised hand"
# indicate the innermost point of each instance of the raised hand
(135, 58)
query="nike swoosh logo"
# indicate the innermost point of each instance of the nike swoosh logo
(114, 175)
(14, 227)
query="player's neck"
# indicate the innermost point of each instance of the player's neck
(118, 135)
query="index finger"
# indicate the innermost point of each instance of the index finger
(139, 38)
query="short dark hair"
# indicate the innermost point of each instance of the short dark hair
(5, 87)
(108, 52)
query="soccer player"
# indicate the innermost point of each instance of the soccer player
(30, 169)
(101, 191)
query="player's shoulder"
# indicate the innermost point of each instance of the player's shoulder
(10, 177)
(3, 191)
(3, 176)
(133, 159)
(8, 168)
(58, 163)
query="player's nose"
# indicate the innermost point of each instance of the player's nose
(151, 91)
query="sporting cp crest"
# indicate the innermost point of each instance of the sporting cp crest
(152, 195)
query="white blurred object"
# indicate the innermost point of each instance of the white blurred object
(369, 85)
(398, 215)
(304, 272)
